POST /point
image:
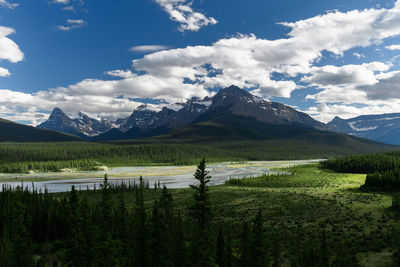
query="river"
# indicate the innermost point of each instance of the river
(171, 176)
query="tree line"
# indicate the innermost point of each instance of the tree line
(74, 229)
(44, 157)
(382, 169)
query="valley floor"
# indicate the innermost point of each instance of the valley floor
(299, 206)
(171, 176)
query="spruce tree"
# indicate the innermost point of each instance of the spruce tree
(180, 251)
(106, 246)
(244, 245)
(140, 223)
(257, 248)
(21, 243)
(76, 253)
(221, 255)
(201, 213)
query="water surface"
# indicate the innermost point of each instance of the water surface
(171, 176)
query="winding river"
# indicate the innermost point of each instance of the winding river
(171, 176)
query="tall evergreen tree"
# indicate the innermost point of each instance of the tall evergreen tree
(140, 223)
(76, 253)
(21, 248)
(245, 246)
(180, 251)
(106, 254)
(221, 254)
(159, 250)
(257, 248)
(201, 213)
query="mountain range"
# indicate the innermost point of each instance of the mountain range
(231, 114)
(145, 122)
(383, 128)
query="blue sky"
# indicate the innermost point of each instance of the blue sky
(105, 58)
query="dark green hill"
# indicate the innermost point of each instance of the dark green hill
(249, 138)
(14, 132)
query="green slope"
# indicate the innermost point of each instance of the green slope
(249, 138)
(14, 132)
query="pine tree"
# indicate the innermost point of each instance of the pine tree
(76, 253)
(122, 231)
(221, 255)
(180, 251)
(229, 256)
(159, 252)
(106, 254)
(87, 232)
(21, 243)
(244, 245)
(201, 213)
(140, 223)
(257, 248)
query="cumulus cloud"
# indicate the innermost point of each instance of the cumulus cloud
(72, 24)
(386, 87)
(357, 75)
(4, 72)
(9, 50)
(182, 12)
(393, 47)
(6, 4)
(121, 73)
(325, 112)
(19, 106)
(250, 62)
(148, 48)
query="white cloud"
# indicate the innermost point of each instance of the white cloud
(4, 72)
(358, 55)
(148, 48)
(251, 62)
(69, 8)
(19, 106)
(72, 24)
(121, 73)
(9, 50)
(393, 47)
(182, 12)
(387, 87)
(65, 2)
(8, 4)
(326, 112)
(356, 75)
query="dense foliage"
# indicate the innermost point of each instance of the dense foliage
(43, 157)
(370, 163)
(99, 228)
(382, 169)
(23, 157)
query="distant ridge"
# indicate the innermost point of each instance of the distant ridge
(146, 123)
(382, 128)
(14, 132)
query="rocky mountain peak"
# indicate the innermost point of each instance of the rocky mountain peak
(57, 112)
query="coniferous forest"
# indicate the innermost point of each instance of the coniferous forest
(382, 169)
(138, 225)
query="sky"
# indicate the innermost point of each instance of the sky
(106, 58)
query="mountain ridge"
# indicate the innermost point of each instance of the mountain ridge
(381, 127)
(145, 122)
(15, 132)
